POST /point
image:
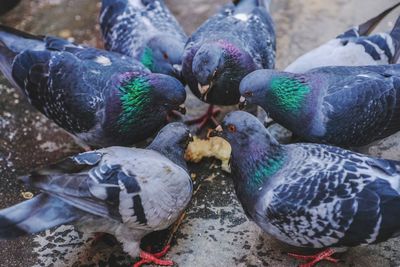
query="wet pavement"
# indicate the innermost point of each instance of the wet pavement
(215, 231)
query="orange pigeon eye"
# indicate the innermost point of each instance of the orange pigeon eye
(231, 128)
(165, 55)
(248, 94)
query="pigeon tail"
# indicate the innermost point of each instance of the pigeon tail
(395, 34)
(35, 215)
(18, 41)
(367, 27)
(13, 42)
(6, 60)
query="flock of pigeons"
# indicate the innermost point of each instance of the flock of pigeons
(304, 194)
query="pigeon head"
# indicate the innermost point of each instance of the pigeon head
(163, 54)
(271, 90)
(256, 155)
(218, 68)
(172, 141)
(244, 132)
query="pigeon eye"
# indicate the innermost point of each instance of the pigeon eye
(231, 128)
(248, 94)
(165, 55)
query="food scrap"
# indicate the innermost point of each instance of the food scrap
(212, 147)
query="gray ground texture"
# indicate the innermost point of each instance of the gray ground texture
(215, 231)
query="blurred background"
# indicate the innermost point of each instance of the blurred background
(215, 231)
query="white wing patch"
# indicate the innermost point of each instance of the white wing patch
(242, 16)
(103, 60)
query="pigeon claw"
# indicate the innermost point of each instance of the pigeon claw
(324, 255)
(147, 257)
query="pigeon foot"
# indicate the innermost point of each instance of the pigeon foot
(154, 258)
(324, 255)
(207, 117)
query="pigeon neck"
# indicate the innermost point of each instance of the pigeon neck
(147, 58)
(286, 101)
(288, 94)
(173, 152)
(134, 97)
(255, 167)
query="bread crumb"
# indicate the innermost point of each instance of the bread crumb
(213, 147)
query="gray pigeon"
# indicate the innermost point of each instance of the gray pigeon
(100, 97)
(354, 47)
(345, 106)
(311, 195)
(126, 192)
(145, 30)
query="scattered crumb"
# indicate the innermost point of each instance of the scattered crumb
(27, 195)
(212, 147)
(65, 33)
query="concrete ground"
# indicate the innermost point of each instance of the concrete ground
(215, 231)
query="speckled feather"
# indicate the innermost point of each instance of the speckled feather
(315, 195)
(249, 29)
(128, 26)
(354, 48)
(85, 90)
(346, 106)
(126, 192)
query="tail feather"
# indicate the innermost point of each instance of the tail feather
(18, 41)
(35, 215)
(12, 43)
(6, 60)
(395, 34)
(367, 27)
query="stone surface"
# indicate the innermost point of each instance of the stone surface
(215, 231)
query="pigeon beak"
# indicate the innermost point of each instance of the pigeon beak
(242, 102)
(218, 131)
(177, 68)
(181, 109)
(191, 137)
(189, 140)
(204, 88)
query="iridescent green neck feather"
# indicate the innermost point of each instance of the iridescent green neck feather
(288, 93)
(134, 99)
(264, 170)
(147, 58)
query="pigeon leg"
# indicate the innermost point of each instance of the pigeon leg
(154, 258)
(208, 116)
(324, 255)
(172, 115)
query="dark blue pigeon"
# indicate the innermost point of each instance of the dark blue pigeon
(345, 106)
(145, 30)
(354, 47)
(236, 41)
(311, 195)
(100, 97)
(126, 192)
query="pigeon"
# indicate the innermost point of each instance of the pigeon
(126, 192)
(234, 42)
(7, 5)
(343, 106)
(145, 30)
(102, 98)
(355, 47)
(311, 195)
